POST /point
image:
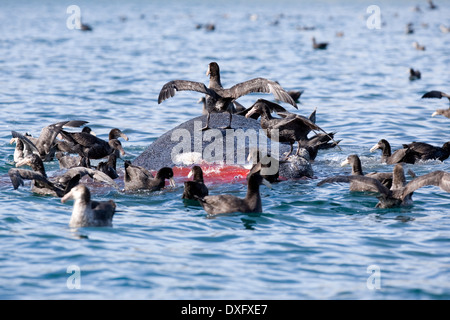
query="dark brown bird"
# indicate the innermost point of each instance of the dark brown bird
(196, 188)
(400, 194)
(44, 145)
(40, 183)
(110, 167)
(92, 147)
(55, 186)
(425, 151)
(226, 203)
(220, 98)
(355, 162)
(139, 178)
(292, 128)
(403, 155)
(438, 95)
(319, 45)
(414, 74)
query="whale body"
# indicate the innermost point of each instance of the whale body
(186, 145)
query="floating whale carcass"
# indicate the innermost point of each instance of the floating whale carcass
(186, 145)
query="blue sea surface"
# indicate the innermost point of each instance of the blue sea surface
(310, 242)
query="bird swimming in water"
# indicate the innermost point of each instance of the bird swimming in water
(196, 187)
(400, 194)
(424, 151)
(431, 5)
(405, 155)
(319, 45)
(355, 162)
(414, 74)
(88, 213)
(220, 98)
(92, 147)
(110, 167)
(439, 95)
(44, 145)
(227, 203)
(58, 185)
(444, 29)
(409, 28)
(40, 183)
(442, 112)
(418, 46)
(139, 178)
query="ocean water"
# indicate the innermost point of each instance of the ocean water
(309, 242)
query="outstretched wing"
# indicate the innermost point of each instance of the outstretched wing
(82, 138)
(435, 94)
(48, 134)
(27, 142)
(75, 123)
(82, 171)
(364, 183)
(298, 120)
(259, 85)
(18, 175)
(170, 88)
(440, 179)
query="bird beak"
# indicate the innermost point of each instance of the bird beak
(250, 113)
(123, 135)
(13, 140)
(267, 183)
(345, 162)
(208, 71)
(66, 197)
(93, 133)
(375, 147)
(172, 182)
(434, 114)
(190, 174)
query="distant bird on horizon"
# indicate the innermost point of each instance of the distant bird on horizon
(319, 45)
(444, 29)
(431, 5)
(409, 28)
(414, 74)
(418, 46)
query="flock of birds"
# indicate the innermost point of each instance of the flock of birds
(75, 150)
